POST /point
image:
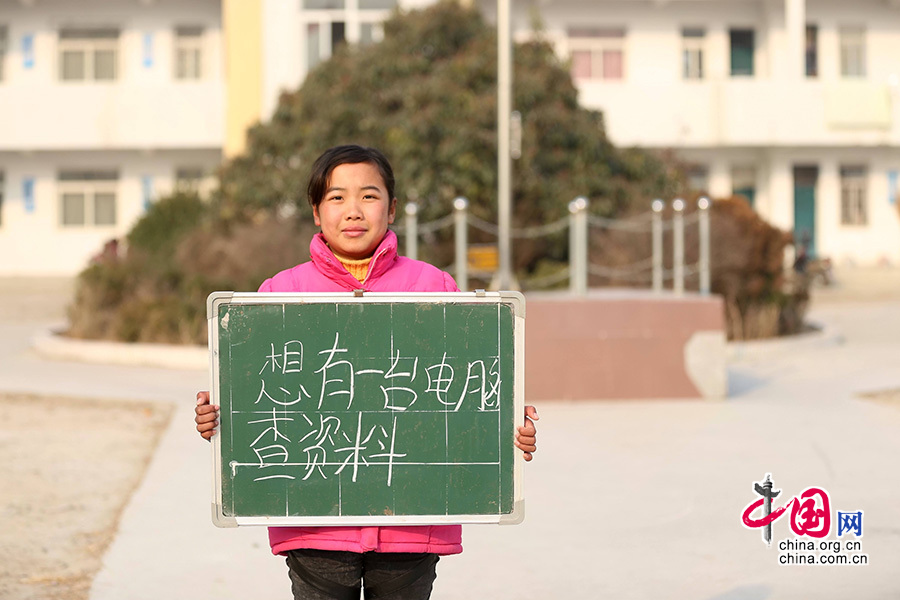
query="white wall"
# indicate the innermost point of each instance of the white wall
(36, 244)
(144, 108)
(876, 242)
(144, 124)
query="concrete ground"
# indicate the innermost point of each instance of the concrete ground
(624, 499)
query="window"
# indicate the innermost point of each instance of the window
(313, 45)
(812, 51)
(323, 4)
(692, 52)
(698, 179)
(188, 53)
(597, 53)
(329, 24)
(88, 54)
(377, 4)
(853, 196)
(189, 179)
(742, 47)
(370, 33)
(87, 198)
(743, 183)
(3, 37)
(338, 35)
(319, 49)
(853, 51)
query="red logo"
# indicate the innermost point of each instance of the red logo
(810, 511)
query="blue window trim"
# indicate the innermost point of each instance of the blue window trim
(28, 51)
(28, 194)
(148, 50)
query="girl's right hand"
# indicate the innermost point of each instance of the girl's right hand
(207, 416)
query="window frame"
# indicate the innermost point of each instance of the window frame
(187, 40)
(323, 19)
(811, 51)
(731, 47)
(4, 46)
(852, 67)
(693, 45)
(854, 195)
(743, 179)
(596, 43)
(90, 187)
(696, 179)
(81, 41)
(189, 178)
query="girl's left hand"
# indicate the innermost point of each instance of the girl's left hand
(526, 435)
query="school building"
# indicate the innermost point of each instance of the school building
(794, 104)
(105, 105)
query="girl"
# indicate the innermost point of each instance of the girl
(351, 190)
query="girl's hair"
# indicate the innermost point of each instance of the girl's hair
(340, 155)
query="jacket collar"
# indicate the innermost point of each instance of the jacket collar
(329, 265)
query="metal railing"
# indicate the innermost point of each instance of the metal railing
(579, 222)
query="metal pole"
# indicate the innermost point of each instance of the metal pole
(412, 230)
(460, 230)
(657, 206)
(578, 256)
(678, 250)
(704, 205)
(504, 166)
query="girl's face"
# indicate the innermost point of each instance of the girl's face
(355, 213)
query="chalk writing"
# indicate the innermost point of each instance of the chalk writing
(298, 419)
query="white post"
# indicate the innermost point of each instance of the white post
(704, 205)
(412, 230)
(504, 165)
(795, 26)
(678, 250)
(578, 255)
(461, 241)
(657, 206)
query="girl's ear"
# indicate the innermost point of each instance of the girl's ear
(392, 211)
(316, 216)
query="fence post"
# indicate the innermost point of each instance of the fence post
(412, 230)
(461, 241)
(578, 251)
(678, 250)
(704, 206)
(657, 206)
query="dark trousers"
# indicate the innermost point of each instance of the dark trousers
(332, 575)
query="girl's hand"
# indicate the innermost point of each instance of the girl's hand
(207, 416)
(526, 435)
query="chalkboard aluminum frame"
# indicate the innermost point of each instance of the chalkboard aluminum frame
(515, 299)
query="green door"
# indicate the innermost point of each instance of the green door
(805, 217)
(747, 192)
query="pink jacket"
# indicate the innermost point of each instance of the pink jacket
(387, 273)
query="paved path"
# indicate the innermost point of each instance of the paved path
(624, 500)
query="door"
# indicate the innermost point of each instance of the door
(805, 209)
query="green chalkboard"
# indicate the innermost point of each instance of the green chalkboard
(366, 408)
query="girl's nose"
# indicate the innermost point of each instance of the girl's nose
(354, 210)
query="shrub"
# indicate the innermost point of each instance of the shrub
(746, 267)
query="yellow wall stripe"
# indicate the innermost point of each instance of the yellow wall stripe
(242, 22)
